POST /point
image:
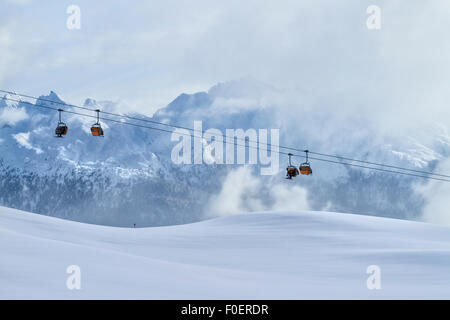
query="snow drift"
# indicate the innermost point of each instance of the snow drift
(267, 255)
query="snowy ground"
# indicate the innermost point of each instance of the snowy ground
(251, 256)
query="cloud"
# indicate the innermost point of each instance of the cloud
(436, 194)
(289, 198)
(23, 139)
(233, 105)
(323, 52)
(243, 192)
(20, 2)
(11, 116)
(5, 41)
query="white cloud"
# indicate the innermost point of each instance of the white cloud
(5, 41)
(436, 194)
(233, 105)
(11, 115)
(146, 53)
(289, 198)
(20, 2)
(242, 192)
(23, 139)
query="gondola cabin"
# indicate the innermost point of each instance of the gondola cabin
(305, 169)
(291, 172)
(61, 130)
(97, 130)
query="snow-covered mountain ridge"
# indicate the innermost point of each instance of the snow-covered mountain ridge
(130, 170)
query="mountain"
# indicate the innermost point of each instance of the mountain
(84, 178)
(128, 176)
(262, 255)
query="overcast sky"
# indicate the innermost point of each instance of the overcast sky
(145, 53)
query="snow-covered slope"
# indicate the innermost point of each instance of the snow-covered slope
(268, 255)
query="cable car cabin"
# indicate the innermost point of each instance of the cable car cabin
(305, 168)
(97, 130)
(291, 172)
(61, 130)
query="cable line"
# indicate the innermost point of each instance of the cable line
(238, 138)
(227, 142)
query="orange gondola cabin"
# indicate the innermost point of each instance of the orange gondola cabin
(96, 128)
(305, 168)
(291, 172)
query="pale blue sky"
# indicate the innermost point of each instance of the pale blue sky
(145, 53)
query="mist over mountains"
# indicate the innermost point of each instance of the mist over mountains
(128, 176)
